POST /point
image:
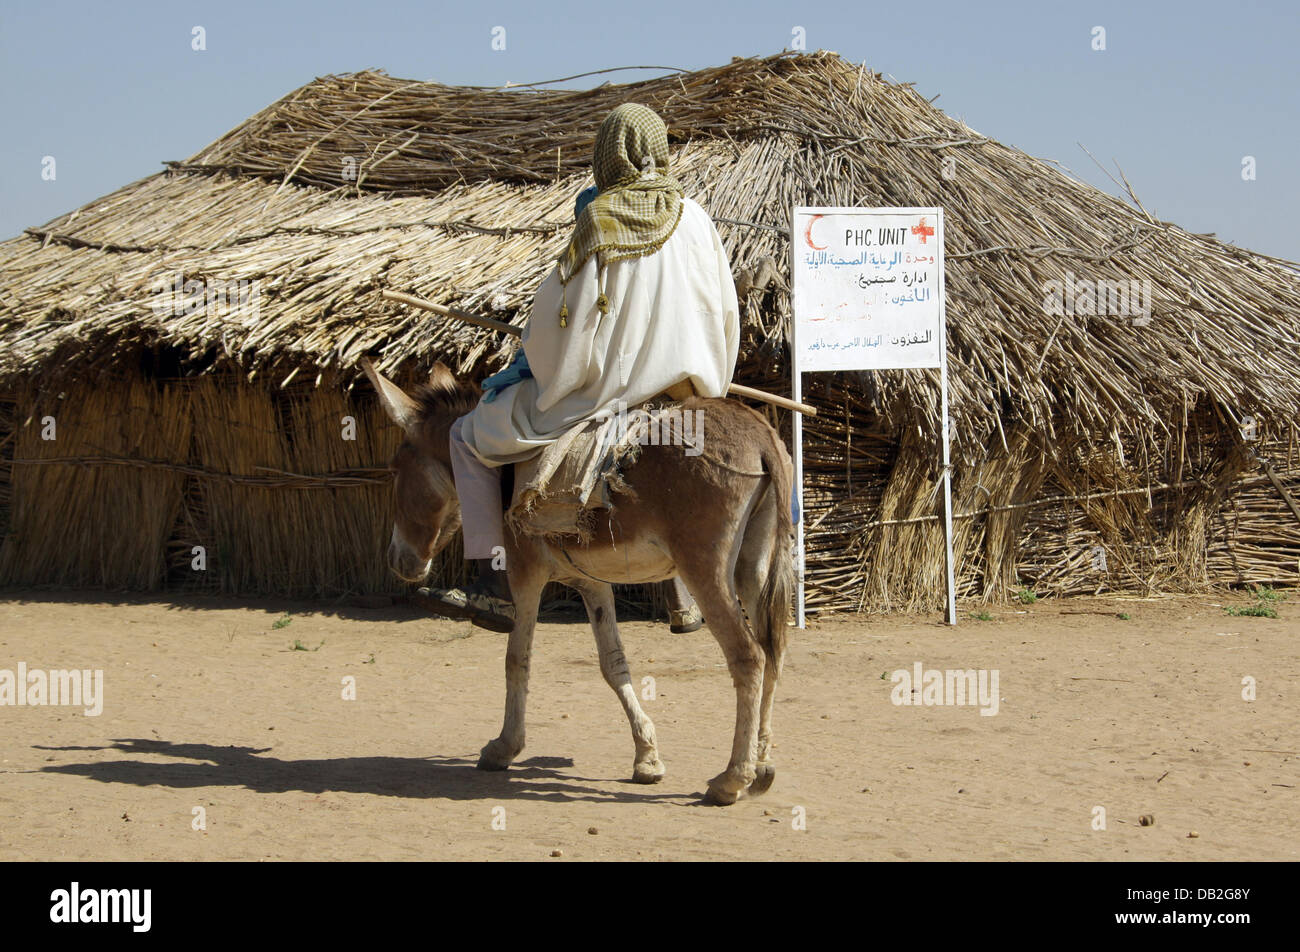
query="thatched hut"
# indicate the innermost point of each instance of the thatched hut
(202, 442)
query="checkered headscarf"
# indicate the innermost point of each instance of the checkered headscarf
(639, 203)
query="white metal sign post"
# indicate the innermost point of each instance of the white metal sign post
(868, 295)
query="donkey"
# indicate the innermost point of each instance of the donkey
(720, 520)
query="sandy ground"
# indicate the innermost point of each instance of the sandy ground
(208, 705)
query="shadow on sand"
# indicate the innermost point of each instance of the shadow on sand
(449, 778)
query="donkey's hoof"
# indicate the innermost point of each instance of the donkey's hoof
(720, 796)
(729, 786)
(495, 756)
(648, 771)
(765, 774)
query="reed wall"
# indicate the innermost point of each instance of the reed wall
(280, 501)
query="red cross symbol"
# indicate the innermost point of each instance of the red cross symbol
(923, 230)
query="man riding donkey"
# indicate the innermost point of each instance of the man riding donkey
(641, 303)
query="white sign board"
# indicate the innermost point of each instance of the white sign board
(868, 291)
(867, 294)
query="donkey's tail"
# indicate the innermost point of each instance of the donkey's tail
(778, 585)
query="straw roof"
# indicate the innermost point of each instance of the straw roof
(464, 196)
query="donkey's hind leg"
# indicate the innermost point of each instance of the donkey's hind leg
(599, 599)
(713, 589)
(764, 769)
(752, 567)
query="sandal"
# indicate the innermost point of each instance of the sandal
(685, 621)
(481, 608)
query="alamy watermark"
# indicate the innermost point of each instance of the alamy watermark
(1100, 296)
(82, 688)
(76, 904)
(931, 687)
(174, 296)
(669, 426)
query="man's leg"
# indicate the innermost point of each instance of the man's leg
(486, 601)
(479, 488)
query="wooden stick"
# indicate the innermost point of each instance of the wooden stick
(459, 315)
(741, 391)
(1277, 484)
(764, 397)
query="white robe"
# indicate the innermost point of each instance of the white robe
(673, 316)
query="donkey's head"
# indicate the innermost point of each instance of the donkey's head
(428, 512)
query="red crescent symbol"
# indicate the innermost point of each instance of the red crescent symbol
(807, 233)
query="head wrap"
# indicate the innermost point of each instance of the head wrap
(638, 204)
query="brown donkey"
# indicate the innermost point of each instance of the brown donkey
(720, 520)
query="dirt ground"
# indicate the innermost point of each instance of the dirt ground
(208, 704)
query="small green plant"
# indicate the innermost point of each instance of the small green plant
(282, 621)
(1122, 616)
(981, 616)
(1027, 596)
(299, 646)
(1257, 610)
(372, 657)
(1268, 593)
(1264, 606)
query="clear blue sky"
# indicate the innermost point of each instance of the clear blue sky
(1182, 92)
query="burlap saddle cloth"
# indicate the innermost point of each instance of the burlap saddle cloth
(560, 493)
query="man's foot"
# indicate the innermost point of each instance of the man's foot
(473, 602)
(685, 621)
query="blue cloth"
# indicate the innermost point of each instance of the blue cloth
(516, 371)
(794, 505)
(583, 200)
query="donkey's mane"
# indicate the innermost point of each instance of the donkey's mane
(445, 401)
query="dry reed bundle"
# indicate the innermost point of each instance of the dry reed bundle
(66, 523)
(328, 541)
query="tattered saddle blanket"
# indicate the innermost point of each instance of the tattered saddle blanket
(559, 493)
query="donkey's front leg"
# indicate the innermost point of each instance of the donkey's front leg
(599, 599)
(498, 753)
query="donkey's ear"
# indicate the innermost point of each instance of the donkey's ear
(400, 408)
(441, 378)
